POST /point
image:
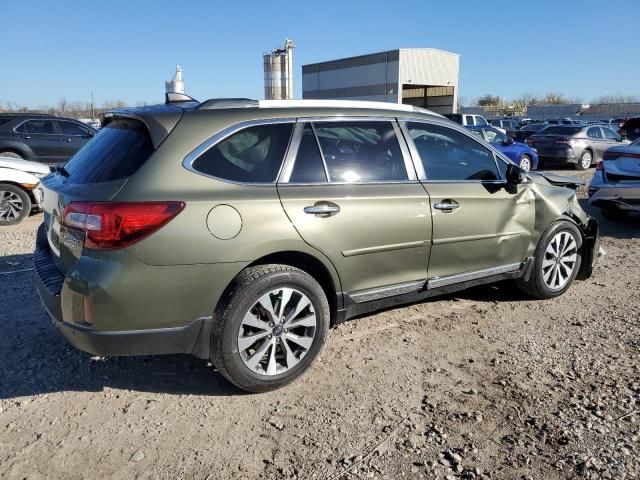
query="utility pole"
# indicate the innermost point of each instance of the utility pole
(92, 115)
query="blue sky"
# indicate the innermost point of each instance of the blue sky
(126, 49)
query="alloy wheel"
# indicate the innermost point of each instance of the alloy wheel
(586, 159)
(277, 331)
(525, 163)
(11, 206)
(559, 260)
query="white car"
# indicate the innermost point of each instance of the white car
(20, 192)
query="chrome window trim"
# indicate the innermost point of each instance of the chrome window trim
(302, 121)
(193, 155)
(422, 175)
(34, 119)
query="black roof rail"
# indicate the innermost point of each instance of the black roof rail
(219, 103)
(25, 114)
(171, 97)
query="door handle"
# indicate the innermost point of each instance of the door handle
(446, 206)
(323, 209)
(26, 136)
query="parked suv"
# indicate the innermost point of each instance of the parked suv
(240, 231)
(42, 138)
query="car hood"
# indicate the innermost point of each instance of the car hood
(23, 165)
(555, 179)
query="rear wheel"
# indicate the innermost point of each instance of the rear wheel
(15, 204)
(11, 154)
(556, 262)
(585, 160)
(525, 162)
(270, 327)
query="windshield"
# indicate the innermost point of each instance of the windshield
(115, 153)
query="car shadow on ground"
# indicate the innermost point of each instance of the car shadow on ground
(35, 359)
(627, 228)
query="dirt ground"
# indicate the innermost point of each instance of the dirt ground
(482, 384)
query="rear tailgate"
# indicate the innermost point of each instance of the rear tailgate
(95, 174)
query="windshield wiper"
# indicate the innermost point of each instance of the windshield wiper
(61, 170)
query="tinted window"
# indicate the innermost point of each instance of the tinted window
(308, 167)
(560, 130)
(5, 120)
(69, 128)
(361, 151)
(253, 154)
(116, 152)
(447, 154)
(610, 134)
(594, 132)
(468, 120)
(481, 121)
(37, 126)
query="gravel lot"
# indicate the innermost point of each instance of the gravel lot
(482, 384)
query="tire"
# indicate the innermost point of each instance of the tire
(540, 283)
(525, 162)
(11, 154)
(15, 204)
(272, 359)
(586, 159)
(613, 213)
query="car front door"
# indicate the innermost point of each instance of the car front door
(612, 139)
(350, 190)
(73, 137)
(43, 140)
(480, 227)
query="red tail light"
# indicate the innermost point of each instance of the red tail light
(109, 226)
(607, 155)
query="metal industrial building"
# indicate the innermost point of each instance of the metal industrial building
(424, 77)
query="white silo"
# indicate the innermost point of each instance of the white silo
(176, 85)
(278, 72)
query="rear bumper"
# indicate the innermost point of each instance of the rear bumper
(622, 196)
(58, 299)
(566, 155)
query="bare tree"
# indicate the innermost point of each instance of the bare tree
(62, 105)
(554, 98)
(488, 100)
(616, 99)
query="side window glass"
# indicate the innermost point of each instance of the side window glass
(468, 120)
(253, 154)
(68, 128)
(610, 134)
(450, 155)
(490, 135)
(481, 121)
(308, 166)
(37, 126)
(594, 132)
(478, 133)
(361, 151)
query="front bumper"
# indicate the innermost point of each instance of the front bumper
(591, 249)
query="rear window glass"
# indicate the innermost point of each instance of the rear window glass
(560, 130)
(5, 120)
(117, 152)
(253, 154)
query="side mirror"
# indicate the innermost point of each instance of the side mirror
(508, 141)
(514, 174)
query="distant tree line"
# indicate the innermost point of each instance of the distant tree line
(66, 108)
(549, 98)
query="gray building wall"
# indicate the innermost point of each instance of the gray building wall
(380, 77)
(366, 77)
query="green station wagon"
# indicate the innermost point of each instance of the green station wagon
(240, 231)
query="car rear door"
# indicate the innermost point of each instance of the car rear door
(480, 227)
(41, 136)
(73, 137)
(350, 190)
(597, 142)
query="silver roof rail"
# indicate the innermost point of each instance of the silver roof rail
(220, 103)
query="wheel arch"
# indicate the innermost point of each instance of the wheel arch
(28, 191)
(326, 276)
